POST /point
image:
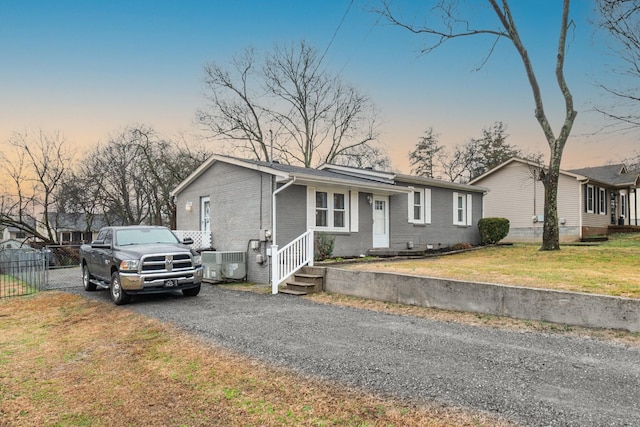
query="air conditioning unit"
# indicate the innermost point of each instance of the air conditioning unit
(220, 266)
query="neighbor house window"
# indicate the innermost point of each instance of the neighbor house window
(419, 207)
(330, 209)
(623, 205)
(462, 213)
(602, 201)
(589, 198)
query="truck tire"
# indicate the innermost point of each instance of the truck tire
(118, 296)
(86, 279)
(191, 292)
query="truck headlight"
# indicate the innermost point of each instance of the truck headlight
(129, 264)
(197, 260)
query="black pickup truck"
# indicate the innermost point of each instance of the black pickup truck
(134, 260)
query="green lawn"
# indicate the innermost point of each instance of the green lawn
(610, 268)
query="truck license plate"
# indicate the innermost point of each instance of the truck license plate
(170, 283)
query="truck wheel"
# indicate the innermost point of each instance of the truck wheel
(86, 279)
(118, 296)
(191, 292)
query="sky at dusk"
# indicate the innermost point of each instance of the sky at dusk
(90, 68)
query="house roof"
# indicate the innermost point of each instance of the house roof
(328, 174)
(524, 162)
(613, 175)
(610, 175)
(75, 221)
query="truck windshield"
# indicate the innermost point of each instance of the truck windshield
(145, 236)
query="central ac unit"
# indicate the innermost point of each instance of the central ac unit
(220, 265)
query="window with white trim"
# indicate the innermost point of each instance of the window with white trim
(623, 205)
(330, 209)
(602, 201)
(462, 209)
(589, 198)
(419, 206)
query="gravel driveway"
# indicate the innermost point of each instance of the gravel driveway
(531, 378)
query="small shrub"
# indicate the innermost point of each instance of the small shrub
(492, 230)
(323, 246)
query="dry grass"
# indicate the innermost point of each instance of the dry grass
(608, 269)
(10, 287)
(68, 361)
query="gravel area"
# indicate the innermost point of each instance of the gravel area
(530, 378)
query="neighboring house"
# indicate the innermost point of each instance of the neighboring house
(13, 244)
(590, 200)
(73, 228)
(250, 205)
(11, 233)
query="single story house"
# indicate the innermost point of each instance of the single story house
(590, 200)
(73, 228)
(250, 205)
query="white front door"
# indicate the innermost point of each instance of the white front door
(380, 221)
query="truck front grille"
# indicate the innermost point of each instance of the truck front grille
(166, 263)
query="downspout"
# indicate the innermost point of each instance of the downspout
(274, 246)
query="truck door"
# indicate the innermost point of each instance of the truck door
(101, 258)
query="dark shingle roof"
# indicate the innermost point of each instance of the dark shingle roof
(75, 221)
(614, 175)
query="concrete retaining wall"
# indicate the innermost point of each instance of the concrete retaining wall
(570, 308)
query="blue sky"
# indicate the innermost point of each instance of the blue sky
(89, 68)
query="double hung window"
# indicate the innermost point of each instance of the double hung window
(419, 207)
(589, 198)
(331, 210)
(462, 209)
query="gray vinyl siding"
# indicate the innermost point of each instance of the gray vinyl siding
(291, 211)
(514, 194)
(291, 208)
(240, 207)
(356, 243)
(441, 232)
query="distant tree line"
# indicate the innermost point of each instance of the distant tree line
(126, 180)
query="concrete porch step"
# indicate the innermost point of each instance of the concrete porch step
(304, 284)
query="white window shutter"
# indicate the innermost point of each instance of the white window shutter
(427, 206)
(353, 212)
(455, 208)
(469, 209)
(311, 207)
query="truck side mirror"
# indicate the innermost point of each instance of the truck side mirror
(100, 244)
(187, 241)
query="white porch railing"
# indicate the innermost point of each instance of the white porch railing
(288, 259)
(201, 239)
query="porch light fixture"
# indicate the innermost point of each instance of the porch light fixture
(188, 207)
(370, 199)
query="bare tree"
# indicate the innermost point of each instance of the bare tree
(364, 156)
(456, 26)
(620, 19)
(129, 179)
(35, 166)
(288, 108)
